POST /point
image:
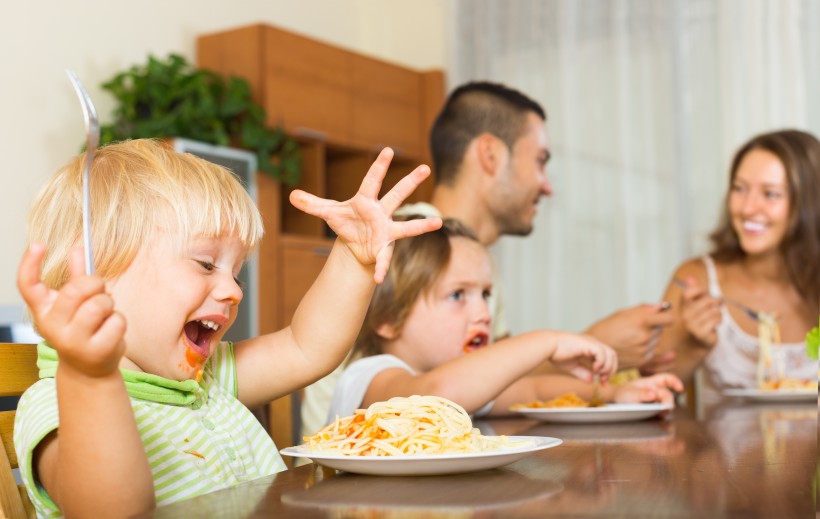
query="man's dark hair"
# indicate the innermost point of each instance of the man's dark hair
(470, 110)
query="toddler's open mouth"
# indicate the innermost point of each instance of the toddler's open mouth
(199, 334)
(477, 341)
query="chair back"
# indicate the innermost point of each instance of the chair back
(18, 371)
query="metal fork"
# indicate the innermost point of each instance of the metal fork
(743, 308)
(92, 140)
(596, 400)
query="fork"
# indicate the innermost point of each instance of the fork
(745, 309)
(92, 140)
(596, 400)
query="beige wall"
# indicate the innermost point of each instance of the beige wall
(42, 123)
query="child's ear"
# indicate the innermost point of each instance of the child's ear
(387, 331)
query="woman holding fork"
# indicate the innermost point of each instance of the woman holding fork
(765, 257)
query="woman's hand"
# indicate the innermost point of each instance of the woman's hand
(700, 313)
(78, 320)
(584, 356)
(364, 223)
(650, 389)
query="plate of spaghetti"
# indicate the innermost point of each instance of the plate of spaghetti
(772, 383)
(417, 435)
(569, 408)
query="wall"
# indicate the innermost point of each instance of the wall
(42, 122)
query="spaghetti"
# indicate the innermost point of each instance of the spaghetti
(400, 426)
(565, 400)
(789, 384)
(768, 332)
(770, 369)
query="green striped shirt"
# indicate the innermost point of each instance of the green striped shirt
(211, 443)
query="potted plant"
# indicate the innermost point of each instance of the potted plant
(171, 98)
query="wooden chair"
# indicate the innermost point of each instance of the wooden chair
(18, 370)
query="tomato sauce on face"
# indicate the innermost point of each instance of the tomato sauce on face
(195, 360)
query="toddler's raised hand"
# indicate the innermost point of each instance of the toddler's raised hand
(650, 389)
(364, 223)
(583, 355)
(78, 320)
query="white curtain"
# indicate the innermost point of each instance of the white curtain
(646, 102)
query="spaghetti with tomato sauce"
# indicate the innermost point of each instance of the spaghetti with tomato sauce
(416, 425)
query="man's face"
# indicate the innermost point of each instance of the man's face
(522, 180)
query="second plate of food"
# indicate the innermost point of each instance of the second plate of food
(607, 413)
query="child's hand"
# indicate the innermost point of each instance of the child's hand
(79, 320)
(574, 353)
(650, 389)
(364, 222)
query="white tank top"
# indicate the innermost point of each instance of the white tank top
(733, 360)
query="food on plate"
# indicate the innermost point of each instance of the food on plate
(416, 425)
(768, 333)
(789, 383)
(565, 400)
(770, 370)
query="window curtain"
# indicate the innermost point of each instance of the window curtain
(646, 102)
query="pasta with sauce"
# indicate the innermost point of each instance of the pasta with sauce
(770, 369)
(768, 333)
(405, 426)
(565, 400)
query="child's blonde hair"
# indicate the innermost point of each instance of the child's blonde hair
(139, 189)
(417, 264)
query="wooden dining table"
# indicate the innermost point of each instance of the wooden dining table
(736, 459)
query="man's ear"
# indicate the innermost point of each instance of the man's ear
(489, 150)
(387, 331)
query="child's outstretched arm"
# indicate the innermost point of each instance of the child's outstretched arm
(474, 379)
(97, 451)
(330, 315)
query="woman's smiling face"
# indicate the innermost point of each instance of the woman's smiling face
(178, 303)
(454, 316)
(759, 202)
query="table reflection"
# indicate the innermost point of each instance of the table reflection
(359, 496)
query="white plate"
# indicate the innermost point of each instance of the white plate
(425, 465)
(774, 395)
(604, 414)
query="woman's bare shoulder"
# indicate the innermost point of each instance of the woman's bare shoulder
(692, 268)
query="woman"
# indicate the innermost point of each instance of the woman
(765, 256)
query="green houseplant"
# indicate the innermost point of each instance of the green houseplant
(171, 98)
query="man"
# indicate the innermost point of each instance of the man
(490, 152)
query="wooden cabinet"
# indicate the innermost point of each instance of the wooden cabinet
(343, 108)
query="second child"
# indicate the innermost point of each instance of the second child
(428, 331)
